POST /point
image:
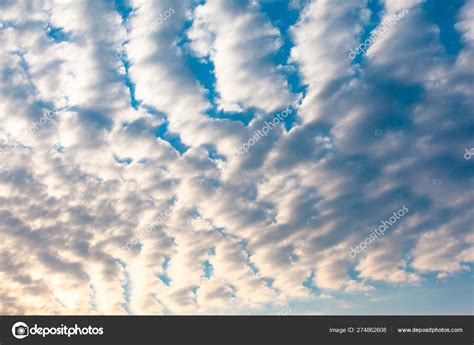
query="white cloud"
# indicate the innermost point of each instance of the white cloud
(269, 223)
(241, 43)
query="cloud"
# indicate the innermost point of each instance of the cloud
(242, 54)
(135, 134)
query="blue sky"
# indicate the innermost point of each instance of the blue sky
(232, 157)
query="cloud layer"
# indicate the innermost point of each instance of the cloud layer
(148, 115)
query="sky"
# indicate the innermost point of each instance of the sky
(236, 157)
